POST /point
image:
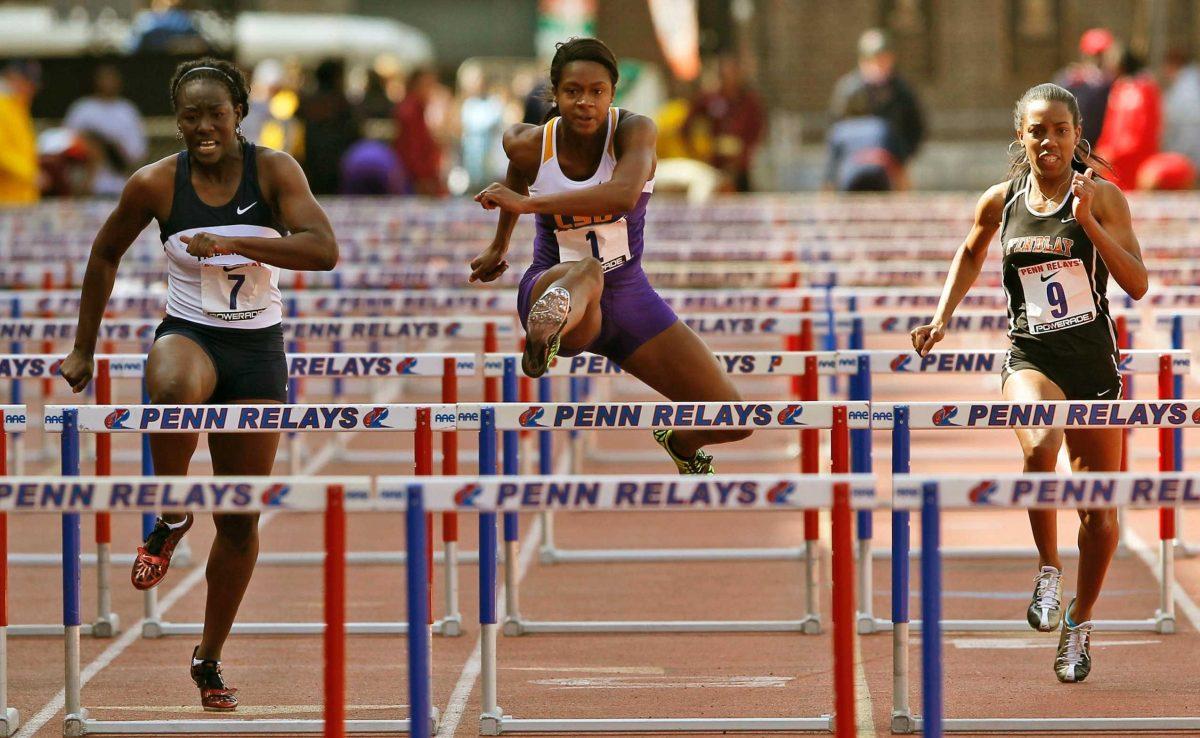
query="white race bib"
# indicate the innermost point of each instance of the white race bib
(608, 242)
(1058, 295)
(233, 293)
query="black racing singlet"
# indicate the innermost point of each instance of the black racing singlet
(1055, 281)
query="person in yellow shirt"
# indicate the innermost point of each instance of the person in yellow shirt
(18, 155)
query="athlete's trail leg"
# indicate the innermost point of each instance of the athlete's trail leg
(1096, 450)
(1040, 448)
(584, 281)
(677, 364)
(235, 547)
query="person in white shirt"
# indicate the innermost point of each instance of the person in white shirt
(114, 126)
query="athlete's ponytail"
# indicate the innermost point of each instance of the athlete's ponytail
(577, 49)
(1082, 158)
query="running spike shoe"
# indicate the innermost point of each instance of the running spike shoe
(1073, 662)
(701, 463)
(214, 695)
(154, 556)
(543, 332)
(1045, 607)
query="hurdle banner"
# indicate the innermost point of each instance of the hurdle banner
(249, 418)
(1045, 414)
(653, 415)
(931, 494)
(316, 365)
(488, 495)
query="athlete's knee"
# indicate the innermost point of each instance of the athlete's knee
(1100, 523)
(237, 531)
(174, 388)
(1042, 454)
(590, 268)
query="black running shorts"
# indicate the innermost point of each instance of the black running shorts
(250, 362)
(1080, 380)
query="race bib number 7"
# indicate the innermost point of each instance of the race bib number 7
(233, 293)
(1058, 295)
(607, 242)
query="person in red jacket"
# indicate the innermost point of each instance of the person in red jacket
(1133, 121)
(418, 149)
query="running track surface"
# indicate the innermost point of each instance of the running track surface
(653, 675)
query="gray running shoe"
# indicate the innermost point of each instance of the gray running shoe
(1045, 609)
(1074, 660)
(544, 327)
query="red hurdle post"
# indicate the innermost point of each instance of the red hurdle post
(491, 385)
(335, 612)
(843, 583)
(1166, 515)
(47, 346)
(104, 617)
(449, 469)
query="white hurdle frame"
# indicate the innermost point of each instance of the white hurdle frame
(422, 420)
(513, 417)
(931, 493)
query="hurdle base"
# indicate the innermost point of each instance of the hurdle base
(1164, 621)
(1054, 725)
(10, 722)
(515, 627)
(903, 723)
(552, 555)
(449, 626)
(497, 725)
(1149, 625)
(865, 623)
(162, 628)
(1185, 549)
(201, 727)
(107, 626)
(75, 723)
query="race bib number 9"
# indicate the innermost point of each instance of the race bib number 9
(1058, 295)
(608, 242)
(233, 293)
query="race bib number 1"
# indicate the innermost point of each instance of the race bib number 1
(233, 293)
(1058, 295)
(608, 242)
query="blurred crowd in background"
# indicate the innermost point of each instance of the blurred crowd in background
(387, 129)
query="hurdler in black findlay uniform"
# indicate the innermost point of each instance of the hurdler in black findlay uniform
(1057, 285)
(228, 304)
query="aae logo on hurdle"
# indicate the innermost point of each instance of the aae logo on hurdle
(609, 492)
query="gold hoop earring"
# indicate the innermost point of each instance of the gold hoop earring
(178, 135)
(1075, 153)
(1019, 150)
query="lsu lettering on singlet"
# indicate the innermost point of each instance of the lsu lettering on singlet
(1055, 281)
(230, 291)
(616, 239)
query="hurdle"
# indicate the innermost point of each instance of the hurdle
(511, 494)
(70, 495)
(1168, 365)
(421, 420)
(512, 417)
(12, 420)
(931, 494)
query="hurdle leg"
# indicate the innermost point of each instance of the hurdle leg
(1165, 617)
(931, 614)
(512, 551)
(73, 702)
(10, 719)
(903, 720)
(451, 623)
(107, 622)
(491, 717)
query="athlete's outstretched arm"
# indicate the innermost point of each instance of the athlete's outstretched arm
(1102, 211)
(490, 263)
(131, 215)
(309, 246)
(964, 269)
(634, 143)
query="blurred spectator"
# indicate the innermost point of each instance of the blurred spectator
(1133, 120)
(482, 122)
(167, 27)
(863, 150)
(671, 120)
(114, 127)
(888, 95)
(419, 150)
(538, 103)
(733, 116)
(372, 168)
(18, 150)
(1181, 106)
(1166, 170)
(375, 102)
(330, 127)
(272, 121)
(1089, 81)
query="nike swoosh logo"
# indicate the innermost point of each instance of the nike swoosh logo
(1105, 392)
(242, 210)
(1069, 219)
(230, 269)
(1048, 277)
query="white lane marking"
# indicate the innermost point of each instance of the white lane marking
(591, 669)
(1009, 644)
(864, 710)
(1183, 601)
(665, 682)
(457, 704)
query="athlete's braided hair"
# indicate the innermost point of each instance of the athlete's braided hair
(1082, 157)
(578, 49)
(217, 70)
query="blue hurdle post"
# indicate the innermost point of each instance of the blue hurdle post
(546, 466)
(931, 613)
(860, 462)
(419, 695)
(1177, 343)
(147, 465)
(510, 465)
(487, 572)
(902, 718)
(71, 567)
